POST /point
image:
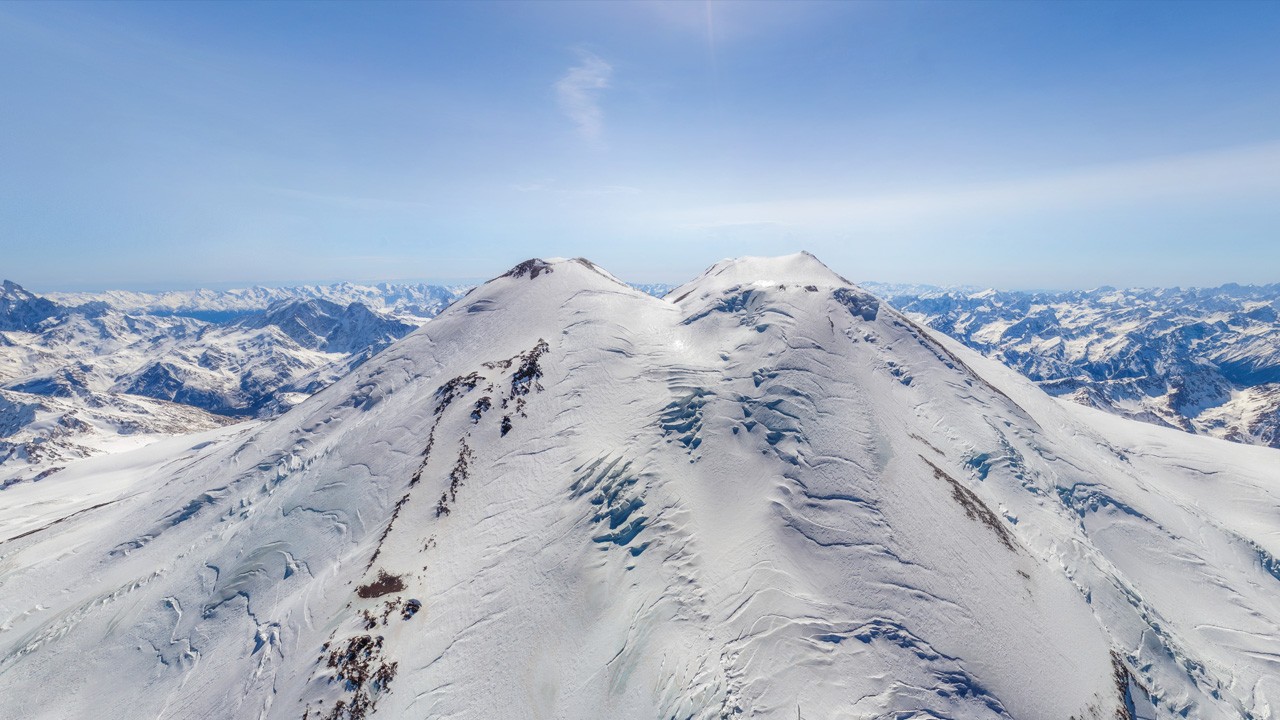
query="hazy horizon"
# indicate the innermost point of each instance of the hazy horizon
(161, 287)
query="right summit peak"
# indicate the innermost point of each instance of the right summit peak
(801, 268)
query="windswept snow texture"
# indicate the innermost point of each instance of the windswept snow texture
(764, 495)
(1204, 360)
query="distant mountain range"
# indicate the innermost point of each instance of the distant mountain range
(1203, 360)
(414, 300)
(84, 372)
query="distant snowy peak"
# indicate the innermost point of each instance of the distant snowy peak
(13, 293)
(324, 325)
(258, 364)
(266, 361)
(654, 289)
(893, 290)
(21, 310)
(414, 300)
(97, 374)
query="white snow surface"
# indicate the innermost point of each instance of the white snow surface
(766, 495)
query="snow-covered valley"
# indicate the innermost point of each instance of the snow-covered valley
(767, 494)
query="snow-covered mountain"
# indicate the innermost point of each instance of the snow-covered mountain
(234, 368)
(21, 310)
(265, 361)
(80, 379)
(414, 300)
(766, 495)
(1201, 360)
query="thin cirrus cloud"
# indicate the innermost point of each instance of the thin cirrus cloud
(1195, 177)
(578, 93)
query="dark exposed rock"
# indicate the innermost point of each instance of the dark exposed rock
(533, 267)
(383, 585)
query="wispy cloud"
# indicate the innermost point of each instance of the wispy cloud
(579, 93)
(1197, 177)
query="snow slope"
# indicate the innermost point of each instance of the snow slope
(767, 495)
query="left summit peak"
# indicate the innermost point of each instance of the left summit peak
(533, 268)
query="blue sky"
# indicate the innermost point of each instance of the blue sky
(1009, 144)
